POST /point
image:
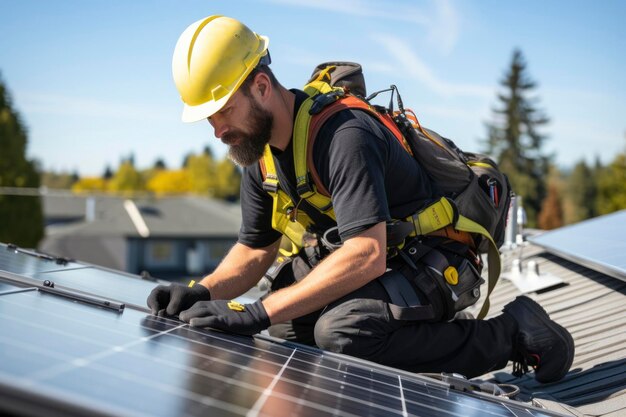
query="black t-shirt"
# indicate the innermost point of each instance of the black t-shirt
(370, 177)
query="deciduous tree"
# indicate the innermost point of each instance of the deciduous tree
(202, 174)
(228, 180)
(612, 186)
(170, 182)
(127, 179)
(551, 214)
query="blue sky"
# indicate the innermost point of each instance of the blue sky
(92, 79)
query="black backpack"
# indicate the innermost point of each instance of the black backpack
(472, 192)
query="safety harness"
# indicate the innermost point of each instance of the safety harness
(440, 218)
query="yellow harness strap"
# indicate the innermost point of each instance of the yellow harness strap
(441, 214)
(307, 189)
(283, 207)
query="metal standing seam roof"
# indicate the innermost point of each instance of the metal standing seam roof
(592, 306)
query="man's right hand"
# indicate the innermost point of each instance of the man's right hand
(169, 300)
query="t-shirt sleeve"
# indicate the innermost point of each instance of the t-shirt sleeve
(355, 172)
(256, 210)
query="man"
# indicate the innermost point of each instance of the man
(221, 71)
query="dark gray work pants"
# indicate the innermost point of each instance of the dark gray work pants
(360, 324)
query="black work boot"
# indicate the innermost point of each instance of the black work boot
(540, 342)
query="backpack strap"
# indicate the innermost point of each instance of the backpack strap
(301, 140)
(308, 126)
(443, 213)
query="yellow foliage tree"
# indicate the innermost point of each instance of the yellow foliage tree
(127, 179)
(170, 182)
(202, 174)
(90, 184)
(228, 180)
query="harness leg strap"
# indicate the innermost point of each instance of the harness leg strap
(404, 305)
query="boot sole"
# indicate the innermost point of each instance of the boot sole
(559, 330)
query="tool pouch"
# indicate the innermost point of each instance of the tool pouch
(444, 279)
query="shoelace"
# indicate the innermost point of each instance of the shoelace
(520, 368)
(521, 365)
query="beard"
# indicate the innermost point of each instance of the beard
(246, 148)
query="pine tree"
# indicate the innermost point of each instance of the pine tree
(581, 191)
(514, 139)
(21, 217)
(108, 173)
(186, 157)
(159, 164)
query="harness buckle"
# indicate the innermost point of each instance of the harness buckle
(305, 190)
(322, 100)
(270, 185)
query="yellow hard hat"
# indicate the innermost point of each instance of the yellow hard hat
(211, 60)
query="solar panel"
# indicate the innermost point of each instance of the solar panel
(6, 287)
(64, 357)
(37, 268)
(24, 263)
(598, 243)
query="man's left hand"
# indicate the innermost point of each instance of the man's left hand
(229, 316)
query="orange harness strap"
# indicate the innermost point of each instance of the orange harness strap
(348, 102)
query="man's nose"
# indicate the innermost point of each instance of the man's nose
(219, 128)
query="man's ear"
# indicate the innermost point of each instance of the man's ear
(263, 86)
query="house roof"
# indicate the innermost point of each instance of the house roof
(592, 306)
(190, 216)
(163, 217)
(61, 205)
(107, 251)
(103, 239)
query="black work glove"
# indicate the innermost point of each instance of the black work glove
(229, 316)
(169, 300)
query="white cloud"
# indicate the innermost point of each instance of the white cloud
(409, 63)
(440, 19)
(444, 28)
